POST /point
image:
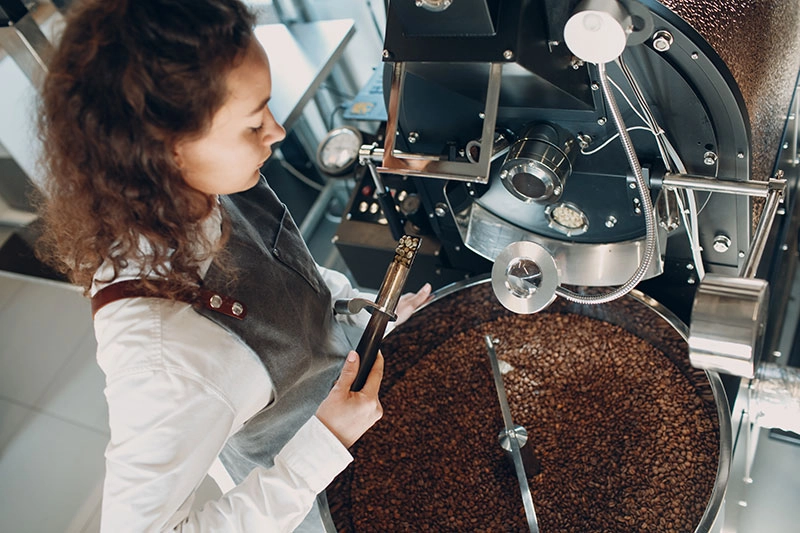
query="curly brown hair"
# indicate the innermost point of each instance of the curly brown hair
(128, 80)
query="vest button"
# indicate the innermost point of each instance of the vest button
(216, 301)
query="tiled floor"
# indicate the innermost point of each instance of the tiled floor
(53, 422)
(53, 419)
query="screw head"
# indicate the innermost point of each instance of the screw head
(508, 55)
(611, 221)
(601, 121)
(662, 40)
(710, 158)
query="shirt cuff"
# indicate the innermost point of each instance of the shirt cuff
(315, 455)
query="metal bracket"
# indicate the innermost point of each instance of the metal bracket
(435, 166)
(356, 305)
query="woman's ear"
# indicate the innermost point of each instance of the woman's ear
(177, 154)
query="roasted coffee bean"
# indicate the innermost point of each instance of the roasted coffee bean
(626, 432)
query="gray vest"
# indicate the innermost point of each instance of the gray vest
(289, 323)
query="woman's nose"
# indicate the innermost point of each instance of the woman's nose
(274, 132)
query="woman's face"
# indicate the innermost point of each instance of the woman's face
(228, 157)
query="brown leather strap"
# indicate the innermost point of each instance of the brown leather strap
(135, 288)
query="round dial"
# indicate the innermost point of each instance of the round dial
(338, 151)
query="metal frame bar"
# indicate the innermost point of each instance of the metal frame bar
(434, 166)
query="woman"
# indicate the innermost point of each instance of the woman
(214, 325)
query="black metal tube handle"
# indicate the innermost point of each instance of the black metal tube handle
(368, 348)
(393, 218)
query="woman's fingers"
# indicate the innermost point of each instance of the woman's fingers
(373, 383)
(349, 372)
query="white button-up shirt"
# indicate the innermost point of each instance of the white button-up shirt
(178, 386)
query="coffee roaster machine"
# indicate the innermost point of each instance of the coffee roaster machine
(582, 150)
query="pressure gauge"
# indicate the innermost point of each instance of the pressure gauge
(338, 151)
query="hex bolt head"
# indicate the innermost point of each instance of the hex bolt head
(662, 40)
(710, 158)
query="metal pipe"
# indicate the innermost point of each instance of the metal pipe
(647, 209)
(759, 242)
(701, 183)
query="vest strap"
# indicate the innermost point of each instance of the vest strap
(135, 288)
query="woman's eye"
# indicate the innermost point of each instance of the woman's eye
(257, 129)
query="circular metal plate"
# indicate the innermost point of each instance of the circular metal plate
(525, 277)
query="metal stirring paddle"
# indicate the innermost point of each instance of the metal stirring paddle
(519, 467)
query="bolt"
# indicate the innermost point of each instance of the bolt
(584, 140)
(689, 266)
(741, 253)
(601, 121)
(740, 155)
(481, 115)
(722, 243)
(508, 55)
(710, 158)
(695, 55)
(595, 86)
(386, 54)
(440, 209)
(611, 221)
(690, 281)
(413, 137)
(576, 63)
(503, 173)
(662, 40)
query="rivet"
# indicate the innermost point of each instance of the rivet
(237, 308)
(216, 301)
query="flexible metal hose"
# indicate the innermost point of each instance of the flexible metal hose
(647, 206)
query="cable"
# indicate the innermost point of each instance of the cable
(299, 175)
(647, 207)
(633, 108)
(612, 138)
(673, 162)
(340, 107)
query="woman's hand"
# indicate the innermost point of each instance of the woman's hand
(350, 414)
(410, 302)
